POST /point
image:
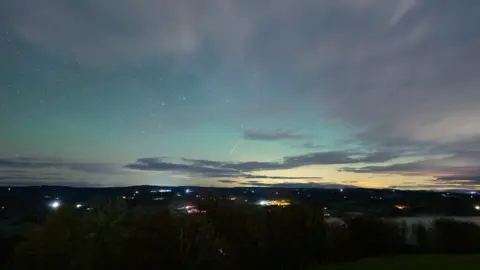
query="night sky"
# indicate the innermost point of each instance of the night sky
(296, 93)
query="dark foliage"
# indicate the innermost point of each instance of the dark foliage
(227, 236)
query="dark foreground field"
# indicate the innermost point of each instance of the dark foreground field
(227, 235)
(412, 262)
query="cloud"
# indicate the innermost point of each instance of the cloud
(339, 157)
(472, 179)
(413, 80)
(398, 69)
(30, 163)
(23, 162)
(109, 32)
(400, 168)
(456, 167)
(227, 181)
(160, 165)
(276, 135)
(289, 162)
(208, 169)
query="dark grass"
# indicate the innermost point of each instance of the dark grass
(411, 262)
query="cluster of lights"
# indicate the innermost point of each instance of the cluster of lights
(401, 207)
(274, 203)
(161, 191)
(191, 209)
(57, 203)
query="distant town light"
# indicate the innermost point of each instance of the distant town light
(273, 203)
(401, 207)
(187, 191)
(477, 207)
(54, 204)
(161, 191)
(262, 203)
(341, 190)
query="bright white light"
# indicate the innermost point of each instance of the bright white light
(477, 207)
(341, 190)
(55, 204)
(187, 190)
(262, 203)
(79, 205)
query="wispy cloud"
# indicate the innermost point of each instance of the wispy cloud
(30, 163)
(275, 135)
(212, 168)
(208, 169)
(459, 166)
(224, 181)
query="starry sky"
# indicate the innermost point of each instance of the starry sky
(293, 93)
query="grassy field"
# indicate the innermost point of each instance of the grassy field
(423, 262)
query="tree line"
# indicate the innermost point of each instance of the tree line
(227, 236)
